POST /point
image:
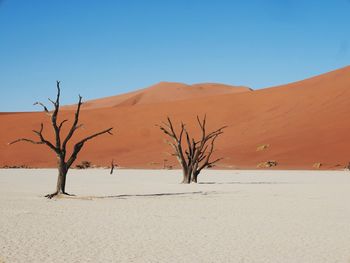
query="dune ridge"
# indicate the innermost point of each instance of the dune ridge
(164, 92)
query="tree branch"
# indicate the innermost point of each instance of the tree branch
(56, 105)
(73, 128)
(41, 137)
(95, 135)
(61, 124)
(42, 105)
(79, 145)
(170, 131)
(24, 140)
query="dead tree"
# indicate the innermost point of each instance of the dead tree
(60, 145)
(112, 166)
(193, 155)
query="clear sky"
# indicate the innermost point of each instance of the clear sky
(102, 48)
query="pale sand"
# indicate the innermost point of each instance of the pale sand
(146, 216)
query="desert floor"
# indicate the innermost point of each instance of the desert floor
(147, 216)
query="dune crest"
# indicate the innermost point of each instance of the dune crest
(164, 92)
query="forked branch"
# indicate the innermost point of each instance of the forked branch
(74, 126)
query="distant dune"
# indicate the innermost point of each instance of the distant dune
(301, 124)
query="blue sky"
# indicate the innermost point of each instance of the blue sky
(103, 48)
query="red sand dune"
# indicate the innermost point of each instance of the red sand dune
(305, 122)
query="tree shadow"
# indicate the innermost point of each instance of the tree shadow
(244, 183)
(156, 194)
(126, 196)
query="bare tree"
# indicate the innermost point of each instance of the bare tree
(60, 145)
(112, 166)
(192, 155)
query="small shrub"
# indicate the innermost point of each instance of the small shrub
(15, 166)
(262, 147)
(317, 165)
(267, 164)
(83, 165)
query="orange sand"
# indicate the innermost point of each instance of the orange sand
(303, 122)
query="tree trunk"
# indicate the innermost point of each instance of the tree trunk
(61, 179)
(186, 176)
(194, 177)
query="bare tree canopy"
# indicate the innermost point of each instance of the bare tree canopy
(193, 155)
(60, 144)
